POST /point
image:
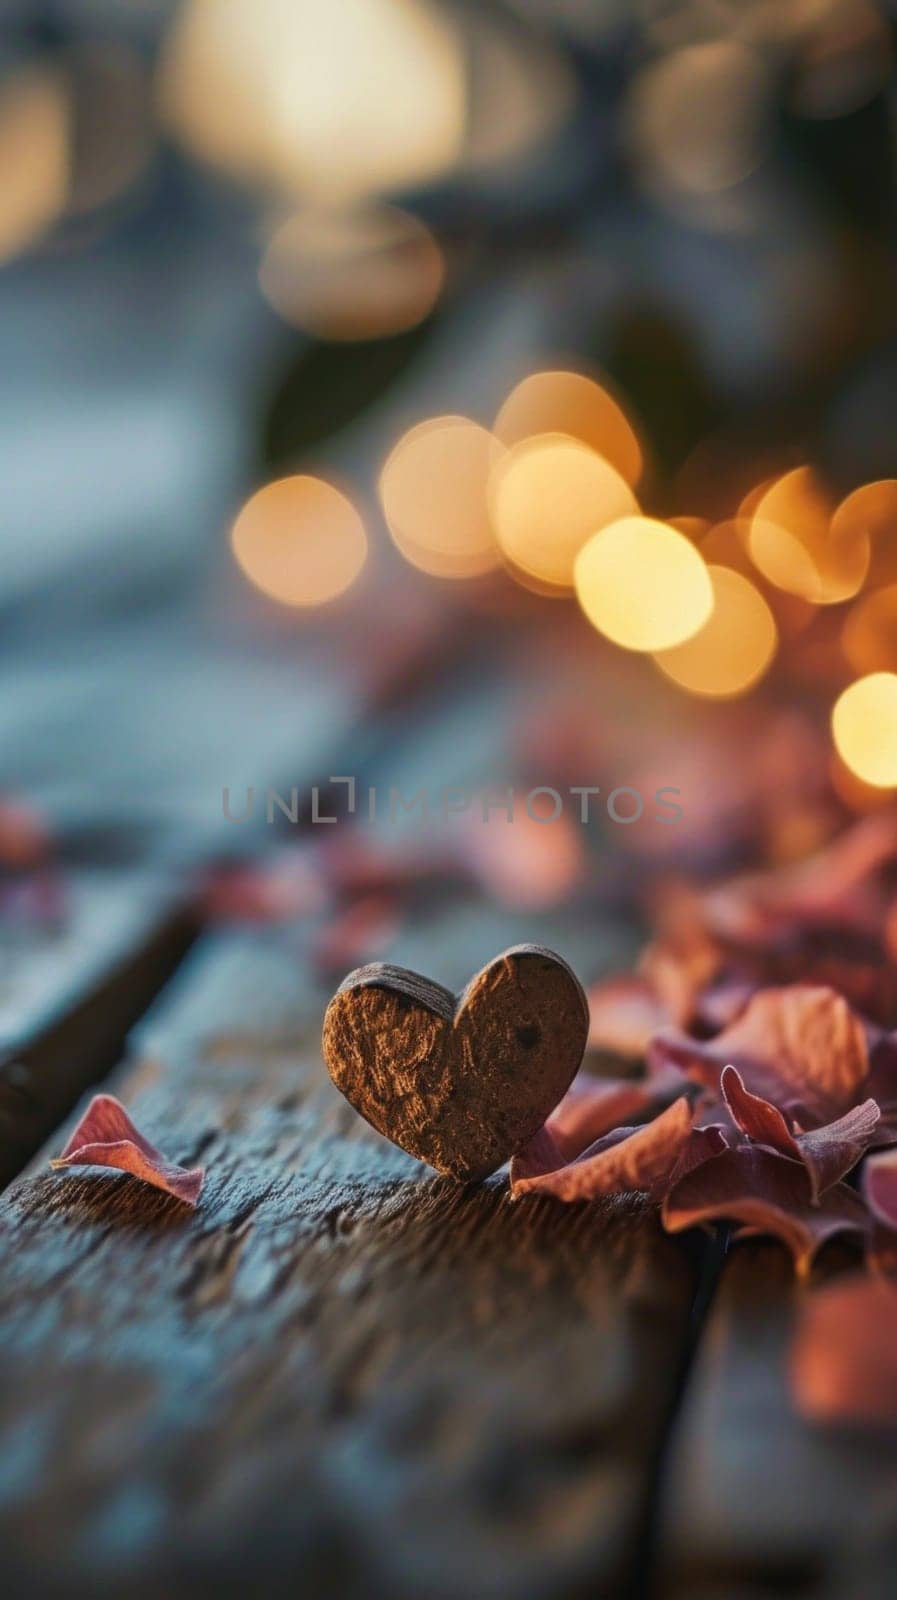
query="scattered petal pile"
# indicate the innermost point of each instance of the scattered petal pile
(764, 1009)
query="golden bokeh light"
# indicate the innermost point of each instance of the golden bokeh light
(34, 157)
(734, 648)
(547, 496)
(300, 541)
(569, 402)
(433, 490)
(725, 545)
(331, 103)
(359, 274)
(694, 528)
(871, 510)
(869, 635)
(796, 547)
(864, 726)
(643, 585)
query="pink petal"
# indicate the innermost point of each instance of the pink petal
(879, 1187)
(593, 1106)
(768, 1194)
(843, 1364)
(827, 1152)
(802, 1048)
(625, 1013)
(625, 1161)
(106, 1137)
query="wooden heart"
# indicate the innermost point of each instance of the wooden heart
(460, 1082)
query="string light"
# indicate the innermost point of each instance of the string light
(864, 726)
(643, 584)
(300, 541)
(433, 490)
(547, 496)
(734, 648)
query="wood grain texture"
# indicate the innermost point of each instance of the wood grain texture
(759, 1503)
(341, 1375)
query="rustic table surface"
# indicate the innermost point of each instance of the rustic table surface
(342, 1374)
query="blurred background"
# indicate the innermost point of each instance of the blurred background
(445, 394)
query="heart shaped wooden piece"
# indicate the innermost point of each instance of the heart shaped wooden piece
(461, 1083)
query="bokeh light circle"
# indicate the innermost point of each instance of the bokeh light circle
(547, 496)
(864, 726)
(359, 274)
(734, 648)
(300, 540)
(569, 402)
(799, 547)
(643, 584)
(433, 490)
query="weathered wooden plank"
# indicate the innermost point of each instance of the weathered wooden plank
(757, 1501)
(69, 994)
(341, 1374)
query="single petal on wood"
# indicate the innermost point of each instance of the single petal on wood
(624, 1014)
(843, 1361)
(827, 1152)
(767, 1193)
(106, 1137)
(594, 1106)
(626, 1161)
(802, 1048)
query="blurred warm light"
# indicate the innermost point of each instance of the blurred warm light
(547, 496)
(794, 544)
(869, 635)
(643, 584)
(568, 402)
(332, 102)
(733, 649)
(872, 510)
(359, 274)
(521, 91)
(34, 157)
(433, 490)
(300, 541)
(698, 119)
(725, 545)
(845, 59)
(864, 725)
(694, 528)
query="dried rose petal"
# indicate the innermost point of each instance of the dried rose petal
(879, 1186)
(834, 886)
(625, 1161)
(625, 1013)
(843, 1363)
(106, 1137)
(594, 1106)
(768, 1194)
(827, 1152)
(802, 1048)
